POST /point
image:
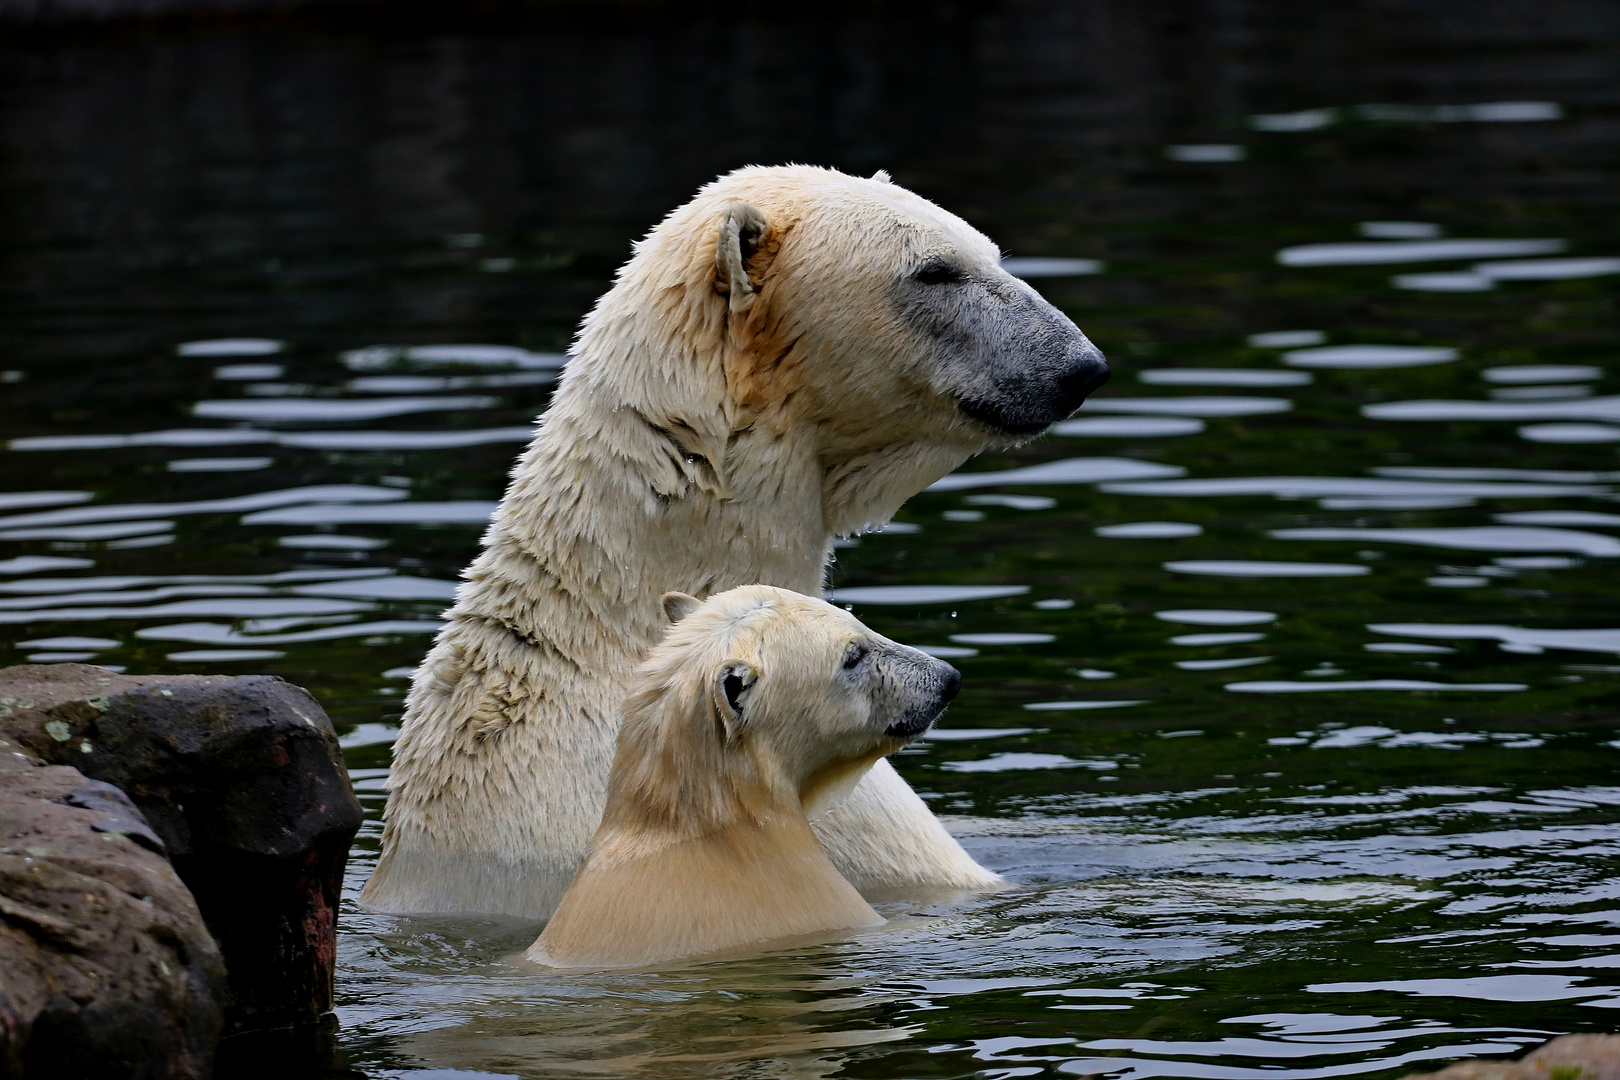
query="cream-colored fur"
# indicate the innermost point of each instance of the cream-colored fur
(739, 724)
(720, 421)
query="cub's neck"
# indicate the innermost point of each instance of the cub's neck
(641, 900)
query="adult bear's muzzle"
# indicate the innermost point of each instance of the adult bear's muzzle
(1022, 364)
(1025, 402)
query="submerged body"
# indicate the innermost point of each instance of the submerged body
(760, 707)
(786, 358)
(742, 886)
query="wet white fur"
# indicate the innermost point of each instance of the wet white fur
(706, 844)
(716, 426)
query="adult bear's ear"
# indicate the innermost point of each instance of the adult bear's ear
(743, 228)
(678, 605)
(731, 688)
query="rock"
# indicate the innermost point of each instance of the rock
(1568, 1057)
(242, 782)
(108, 967)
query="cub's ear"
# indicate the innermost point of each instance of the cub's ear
(731, 688)
(678, 605)
(743, 228)
(882, 176)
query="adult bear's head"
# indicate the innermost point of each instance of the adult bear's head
(807, 305)
(883, 293)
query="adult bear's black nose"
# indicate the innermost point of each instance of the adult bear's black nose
(953, 683)
(1086, 372)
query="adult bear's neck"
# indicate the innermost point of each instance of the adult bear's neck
(638, 483)
(609, 508)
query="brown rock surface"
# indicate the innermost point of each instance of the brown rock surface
(243, 781)
(1568, 1057)
(106, 967)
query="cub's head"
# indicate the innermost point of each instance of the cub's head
(759, 698)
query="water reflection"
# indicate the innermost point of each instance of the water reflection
(1570, 433)
(1539, 393)
(925, 594)
(1472, 538)
(1597, 408)
(1264, 569)
(1193, 406)
(1399, 230)
(1216, 617)
(1286, 339)
(225, 633)
(1221, 665)
(374, 357)
(1560, 517)
(1488, 112)
(1308, 487)
(245, 372)
(1027, 267)
(1238, 638)
(306, 410)
(234, 347)
(1369, 357)
(1067, 471)
(1547, 269)
(17, 500)
(1594, 640)
(1129, 427)
(1222, 377)
(805, 1011)
(220, 464)
(1444, 281)
(1149, 530)
(1284, 686)
(348, 493)
(1408, 251)
(472, 511)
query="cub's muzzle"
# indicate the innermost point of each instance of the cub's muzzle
(944, 681)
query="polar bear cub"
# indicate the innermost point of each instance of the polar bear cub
(758, 711)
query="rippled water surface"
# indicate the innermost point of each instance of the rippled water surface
(1291, 662)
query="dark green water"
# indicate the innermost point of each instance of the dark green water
(1288, 804)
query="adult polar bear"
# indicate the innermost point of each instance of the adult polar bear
(786, 358)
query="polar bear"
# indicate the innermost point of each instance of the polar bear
(758, 709)
(786, 358)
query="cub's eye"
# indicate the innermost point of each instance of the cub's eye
(939, 273)
(854, 656)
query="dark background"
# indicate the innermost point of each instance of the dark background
(317, 167)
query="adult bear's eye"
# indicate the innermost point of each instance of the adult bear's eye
(939, 272)
(854, 656)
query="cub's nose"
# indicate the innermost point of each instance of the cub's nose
(953, 683)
